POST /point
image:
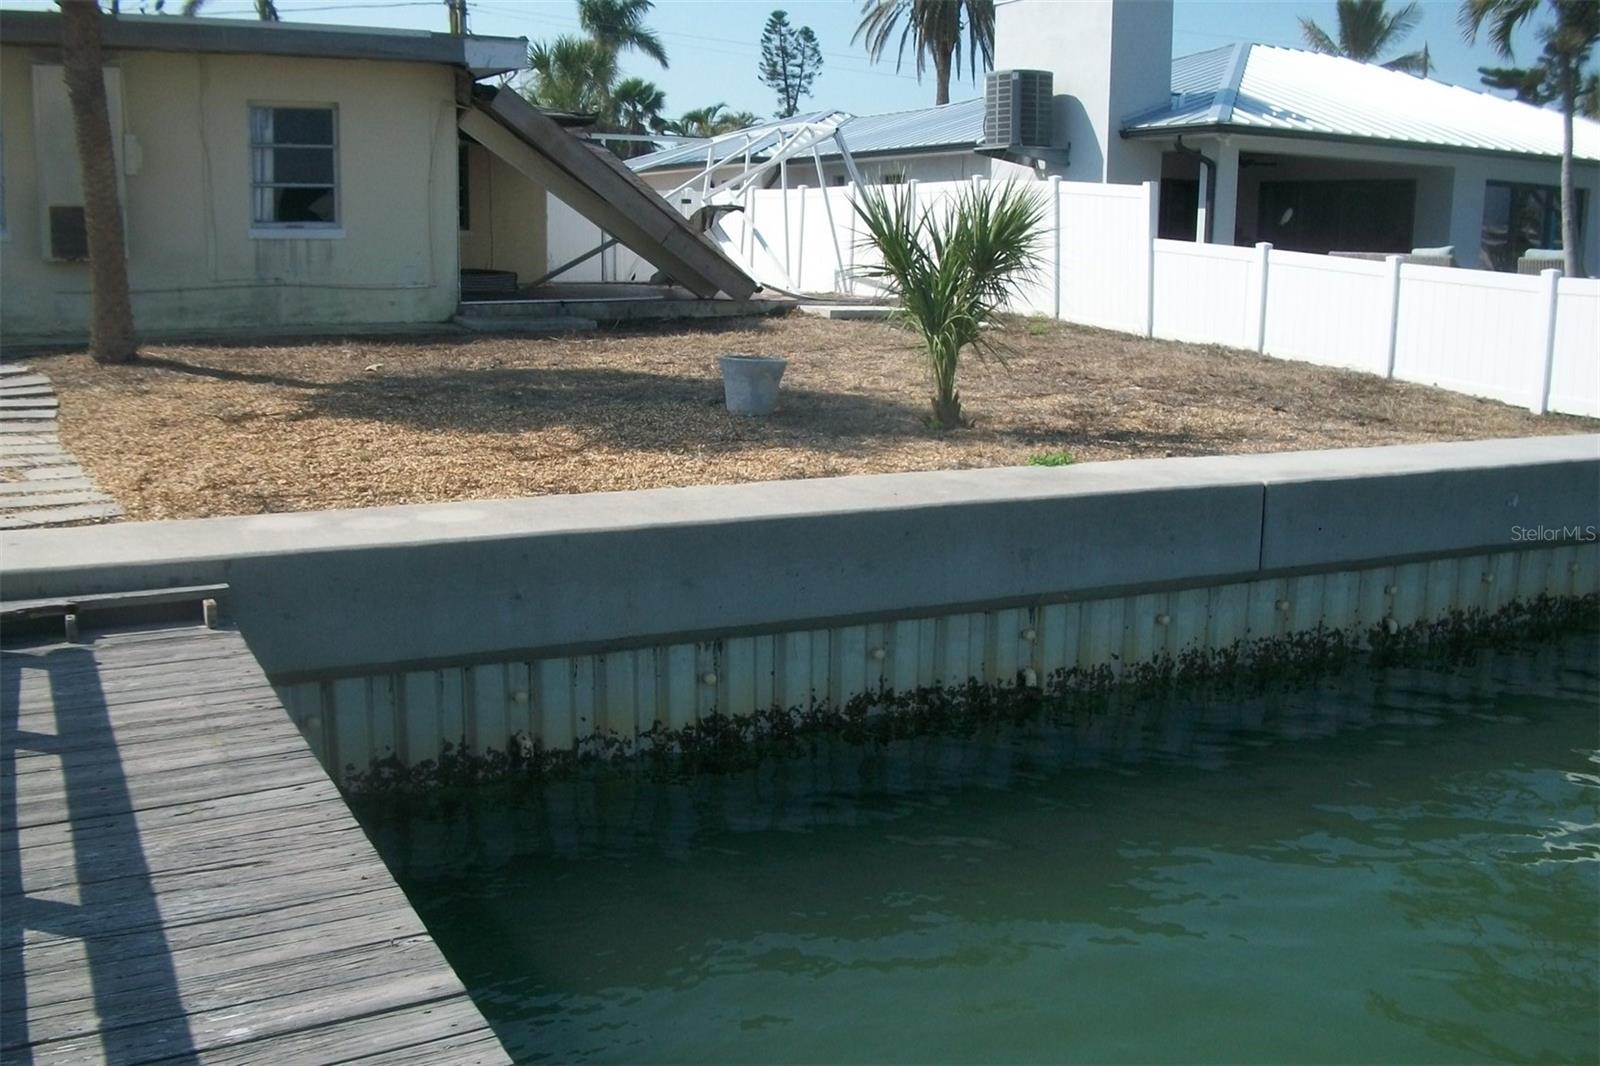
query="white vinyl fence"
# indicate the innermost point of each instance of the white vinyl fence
(569, 235)
(1533, 341)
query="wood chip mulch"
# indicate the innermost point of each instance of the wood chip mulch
(210, 429)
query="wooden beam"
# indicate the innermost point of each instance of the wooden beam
(600, 187)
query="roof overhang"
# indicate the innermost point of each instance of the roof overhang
(1235, 130)
(481, 56)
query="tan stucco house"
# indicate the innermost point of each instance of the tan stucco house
(283, 176)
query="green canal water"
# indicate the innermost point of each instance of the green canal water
(1383, 866)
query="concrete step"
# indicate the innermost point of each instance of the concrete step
(21, 503)
(49, 516)
(619, 309)
(537, 326)
(848, 312)
(12, 491)
(15, 382)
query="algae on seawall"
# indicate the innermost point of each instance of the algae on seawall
(719, 743)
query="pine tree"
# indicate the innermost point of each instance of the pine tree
(790, 61)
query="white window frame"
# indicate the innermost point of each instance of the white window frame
(293, 230)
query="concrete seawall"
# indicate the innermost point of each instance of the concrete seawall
(346, 591)
(474, 617)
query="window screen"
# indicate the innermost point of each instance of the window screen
(293, 166)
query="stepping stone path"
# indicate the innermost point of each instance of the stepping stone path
(41, 484)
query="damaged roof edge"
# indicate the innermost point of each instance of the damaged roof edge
(482, 56)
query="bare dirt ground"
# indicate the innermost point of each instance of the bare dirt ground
(196, 430)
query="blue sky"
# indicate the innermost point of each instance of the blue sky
(713, 43)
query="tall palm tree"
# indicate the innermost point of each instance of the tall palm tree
(636, 107)
(710, 121)
(619, 26)
(572, 74)
(936, 30)
(111, 338)
(1569, 38)
(1367, 31)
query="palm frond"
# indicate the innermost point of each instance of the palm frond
(619, 25)
(1419, 63)
(1317, 38)
(1401, 23)
(1502, 16)
(933, 30)
(953, 269)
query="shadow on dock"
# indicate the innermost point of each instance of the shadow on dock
(62, 787)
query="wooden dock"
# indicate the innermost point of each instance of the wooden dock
(181, 881)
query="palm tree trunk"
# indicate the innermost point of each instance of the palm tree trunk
(111, 337)
(1569, 197)
(941, 73)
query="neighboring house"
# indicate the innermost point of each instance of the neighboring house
(1316, 153)
(927, 144)
(1310, 152)
(276, 175)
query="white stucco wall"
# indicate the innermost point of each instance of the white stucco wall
(508, 216)
(193, 262)
(1109, 59)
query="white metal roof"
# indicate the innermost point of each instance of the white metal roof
(1252, 88)
(956, 126)
(1286, 91)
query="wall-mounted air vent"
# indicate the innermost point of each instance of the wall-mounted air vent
(1017, 109)
(62, 235)
(69, 237)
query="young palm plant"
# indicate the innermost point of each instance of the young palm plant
(953, 269)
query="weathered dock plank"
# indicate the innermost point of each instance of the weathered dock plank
(180, 880)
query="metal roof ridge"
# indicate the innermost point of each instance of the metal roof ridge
(1221, 111)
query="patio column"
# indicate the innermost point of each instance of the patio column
(1225, 202)
(1466, 211)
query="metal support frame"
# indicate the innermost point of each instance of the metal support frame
(780, 141)
(570, 263)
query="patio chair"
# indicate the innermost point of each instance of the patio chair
(1538, 260)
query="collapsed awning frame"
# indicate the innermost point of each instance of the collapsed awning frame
(599, 186)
